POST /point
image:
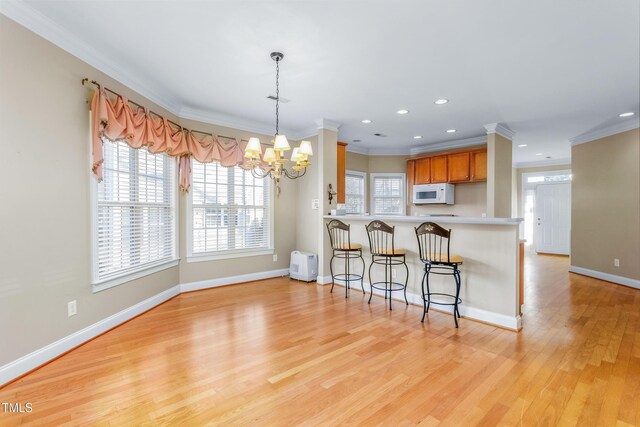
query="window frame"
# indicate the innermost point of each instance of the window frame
(403, 192)
(98, 284)
(365, 200)
(229, 253)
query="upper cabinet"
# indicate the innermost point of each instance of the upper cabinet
(455, 167)
(342, 172)
(459, 167)
(479, 165)
(439, 169)
(423, 171)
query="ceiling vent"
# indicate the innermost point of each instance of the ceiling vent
(274, 98)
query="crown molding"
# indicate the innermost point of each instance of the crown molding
(230, 121)
(41, 25)
(36, 22)
(622, 126)
(500, 130)
(359, 149)
(544, 162)
(306, 133)
(446, 145)
(388, 151)
(327, 124)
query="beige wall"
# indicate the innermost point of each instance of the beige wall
(470, 200)
(45, 173)
(306, 228)
(45, 241)
(605, 206)
(357, 162)
(284, 240)
(499, 176)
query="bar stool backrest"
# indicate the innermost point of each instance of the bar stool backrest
(339, 234)
(381, 238)
(432, 239)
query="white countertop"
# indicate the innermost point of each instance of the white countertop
(420, 219)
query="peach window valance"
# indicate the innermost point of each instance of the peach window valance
(117, 120)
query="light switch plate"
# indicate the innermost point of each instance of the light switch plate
(315, 203)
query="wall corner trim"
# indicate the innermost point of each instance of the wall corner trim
(620, 280)
(500, 129)
(327, 124)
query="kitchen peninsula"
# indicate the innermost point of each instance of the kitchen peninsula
(490, 272)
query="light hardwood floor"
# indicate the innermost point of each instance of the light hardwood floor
(279, 352)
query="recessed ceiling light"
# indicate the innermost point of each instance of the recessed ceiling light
(451, 131)
(356, 140)
(366, 121)
(402, 111)
(538, 154)
(629, 114)
(440, 101)
(417, 137)
(522, 145)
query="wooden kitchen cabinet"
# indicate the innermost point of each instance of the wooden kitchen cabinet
(423, 171)
(411, 179)
(478, 165)
(439, 169)
(459, 165)
(342, 172)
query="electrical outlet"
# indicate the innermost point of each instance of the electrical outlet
(72, 308)
(616, 262)
(394, 273)
(484, 215)
(275, 257)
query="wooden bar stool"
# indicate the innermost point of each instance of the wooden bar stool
(431, 238)
(340, 237)
(384, 252)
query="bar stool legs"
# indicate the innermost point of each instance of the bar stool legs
(388, 283)
(426, 296)
(348, 277)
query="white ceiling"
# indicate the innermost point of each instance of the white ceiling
(548, 70)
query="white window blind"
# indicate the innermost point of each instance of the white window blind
(387, 194)
(355, 192)
(135, 213)
(230, 210)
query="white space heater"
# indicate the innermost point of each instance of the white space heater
(304, 266)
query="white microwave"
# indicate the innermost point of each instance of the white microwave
(433, 193)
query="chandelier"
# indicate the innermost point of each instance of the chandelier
(273, 164)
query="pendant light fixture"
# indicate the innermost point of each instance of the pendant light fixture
(273, 163)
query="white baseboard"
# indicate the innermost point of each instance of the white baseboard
(508, 322)
(606, 276)
(232, 280)
(37, 358)
(324, 280)
(41, 356)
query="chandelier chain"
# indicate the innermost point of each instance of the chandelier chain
(277, 96)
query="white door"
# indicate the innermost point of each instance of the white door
(553, 218)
